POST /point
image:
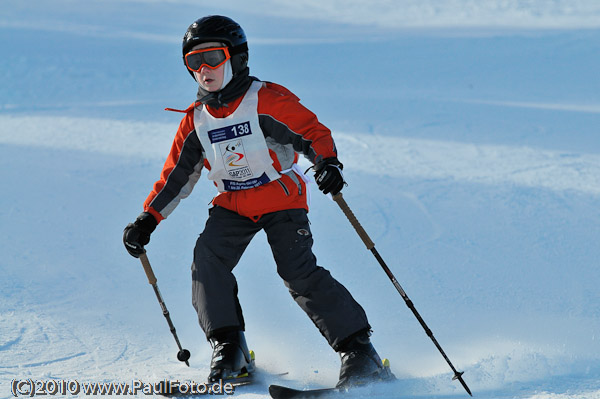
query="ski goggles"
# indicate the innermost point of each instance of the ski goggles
(212, 57)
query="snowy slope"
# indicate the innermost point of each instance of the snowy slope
(473, 161)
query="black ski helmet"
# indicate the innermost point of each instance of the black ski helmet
(218, 28)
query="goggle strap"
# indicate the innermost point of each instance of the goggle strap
(242, 48)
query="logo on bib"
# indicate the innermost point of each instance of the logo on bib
(234, 159)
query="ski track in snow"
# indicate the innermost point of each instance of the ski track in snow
(391, 156)
(487, 14)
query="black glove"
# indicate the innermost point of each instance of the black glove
(328, 176)
(137, 234)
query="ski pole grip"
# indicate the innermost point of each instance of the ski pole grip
(339, 199)
(148, 269)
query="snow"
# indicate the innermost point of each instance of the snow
(469, 135)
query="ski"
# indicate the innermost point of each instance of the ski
(221, 387)
(281, 392)
(192, 389)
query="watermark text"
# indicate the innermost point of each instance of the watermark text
(52, 387)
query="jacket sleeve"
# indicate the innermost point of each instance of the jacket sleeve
(179, 174)
(283, 118)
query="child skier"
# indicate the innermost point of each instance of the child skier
(249, 134)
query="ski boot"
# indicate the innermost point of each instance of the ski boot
(361, 364)
(231, 360)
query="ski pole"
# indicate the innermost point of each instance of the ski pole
(339, 199)
(183, 355)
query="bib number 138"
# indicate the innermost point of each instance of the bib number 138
(241, 129)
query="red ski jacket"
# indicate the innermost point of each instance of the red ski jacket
(289, 128)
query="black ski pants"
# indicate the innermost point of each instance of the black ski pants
(219, 248)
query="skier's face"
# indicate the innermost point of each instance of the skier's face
(210, 79)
